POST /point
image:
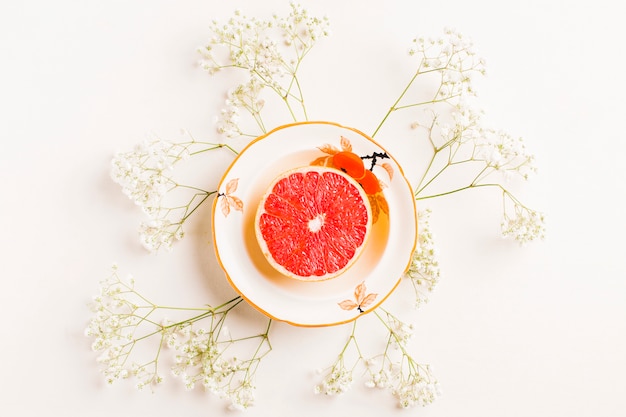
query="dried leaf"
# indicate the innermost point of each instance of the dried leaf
(235, 202)
(225, 206)
(346, 146)
(359, 292)
(375, 208)
(329, 149)
(368, 300)
(382, 203)
(321, 161)
(348, 305)
(231, 186)
(388, 168)
(362, 300)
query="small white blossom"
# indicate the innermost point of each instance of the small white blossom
(424, 271)
(504, 153)
(401, 332)
(337, 382)
(250, 45)
(453, 57)
(379, 379)
(201, 359)
(228, 121)
(416, 391)
(117, 315)
(158, 233)
(146, 177)
(524, 225)
(122, 318)
(143, 173)
(396, 370)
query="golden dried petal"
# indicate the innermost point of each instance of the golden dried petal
(231, 186)
(348, 305)
(368, 300)
(329, 149)
(346, 146)
(388, 168)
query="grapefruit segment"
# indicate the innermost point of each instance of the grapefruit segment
(313, 222)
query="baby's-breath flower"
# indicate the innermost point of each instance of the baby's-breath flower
(379, 379)
(159, 232)
(250, 45)
(146, 177)
(494, 155)
(410, 382)
(117, 315)
(401, 332)
(424, 271)
(416, 390)
(337, 381)
(453, 57)
(525, 225)
(144, 172)
(228, 121)
(202, 359)
(394, 369)
(504, 153)
(123, 318)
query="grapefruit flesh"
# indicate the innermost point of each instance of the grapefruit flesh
(313, 223)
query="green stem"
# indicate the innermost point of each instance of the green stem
(395, 104)
(467, 187)
(217, 146)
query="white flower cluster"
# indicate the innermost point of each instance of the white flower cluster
(489, 152)
(454, 58)
(525, 225)
(400, 331)
(424, 269)
(394, 369)
(123, 318)
(504, 153)
(249, 44)
(497, 149)
(416, 390)
(337, 382)
(244, 96)
(144, 173)
(410, 382)
(200, 360)
(157, 233)
(145, 177)
(117, 315)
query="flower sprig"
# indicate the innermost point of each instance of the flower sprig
(269, 54)
(457, 134)
(146, 177)
(451, 62)
(123, 318)
(410, 382)
(393, 369)
(424, 271)
(201, 359)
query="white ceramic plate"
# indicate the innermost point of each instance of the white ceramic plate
(360, 289)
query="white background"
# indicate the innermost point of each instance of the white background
(510, 331)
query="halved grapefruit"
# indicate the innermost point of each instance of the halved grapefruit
(313, 223)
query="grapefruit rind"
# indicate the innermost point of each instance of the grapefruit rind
(326, 258)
